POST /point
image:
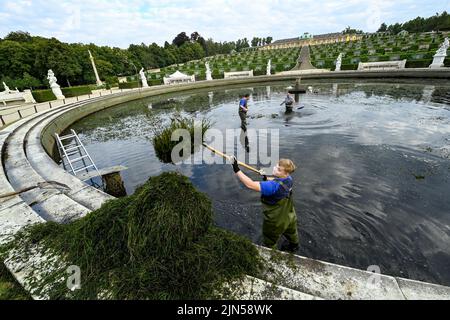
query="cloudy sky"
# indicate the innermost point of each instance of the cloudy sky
(119, 23)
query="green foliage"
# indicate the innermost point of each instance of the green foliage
(162, 140)
(435, 23)
(129, 85)
(43, 95)
(76, 91)
(349, 67)
(9, 288)
(155, 82)
(156, 244)
(424, 63)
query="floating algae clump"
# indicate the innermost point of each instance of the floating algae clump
(162, 140)
(156, 244)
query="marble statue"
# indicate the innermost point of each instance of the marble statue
(443, 48)
(269, 67)
(208, 71)
(52, 80)
(338, 62)
(6, 87)
(15, 96)
(143, 78)
(441, 54)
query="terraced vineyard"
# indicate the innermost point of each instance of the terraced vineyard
(282, 60)
(418, 49)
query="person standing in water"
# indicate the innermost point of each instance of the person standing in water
(243, 109)
(288, 101)
(280, 218)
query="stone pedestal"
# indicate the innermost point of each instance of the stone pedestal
(438, 61)
(114, 184)
(58, 93)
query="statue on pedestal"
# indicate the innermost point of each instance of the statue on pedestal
(269, 67)
(54, 85)
(208, 71)
(143, 78)
(338, 62)
(441, 54)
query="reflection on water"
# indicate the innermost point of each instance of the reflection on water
(374, 172)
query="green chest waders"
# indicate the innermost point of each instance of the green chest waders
(280, 219)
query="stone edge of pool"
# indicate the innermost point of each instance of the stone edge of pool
(26, 144)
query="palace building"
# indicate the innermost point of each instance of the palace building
(309, 39)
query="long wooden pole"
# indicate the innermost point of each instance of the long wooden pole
(260, 172)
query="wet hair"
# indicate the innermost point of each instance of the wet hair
(287, 165)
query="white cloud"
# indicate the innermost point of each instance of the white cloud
(119, 23)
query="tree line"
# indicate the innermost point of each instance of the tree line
(438, 22)
(25, 59)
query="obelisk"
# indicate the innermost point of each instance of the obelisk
(97, 79)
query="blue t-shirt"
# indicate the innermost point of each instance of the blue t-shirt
(242, 103)
(275, 190)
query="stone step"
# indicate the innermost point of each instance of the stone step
(251, 288)
(336, 282)
(48, 203)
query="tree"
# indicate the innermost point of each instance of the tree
(255, 41)
(194, 36)
(29, 81)
(269, 40)
(180, 39)
(19, 36)
(349, 30)
(383, 28)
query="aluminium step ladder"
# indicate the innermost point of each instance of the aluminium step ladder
(74, 156)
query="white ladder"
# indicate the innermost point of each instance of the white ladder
(73, 152)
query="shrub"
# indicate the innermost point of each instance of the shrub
(155, 82)
(424, 63)
(129, 85)
(259, 72)
(43, 95)
(163, 144)
(200, 77)
(76, 91)
(349, 67)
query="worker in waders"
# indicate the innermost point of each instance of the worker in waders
(280, 218)
(289, 102)
(243, 109)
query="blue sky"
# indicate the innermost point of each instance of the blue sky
(119, 23)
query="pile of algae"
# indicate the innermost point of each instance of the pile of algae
(159, 243)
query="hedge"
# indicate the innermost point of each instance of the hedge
(129, 85)
(155, 82)
(424, 63)
(43, 95)
(349, 67)
(76, 91)
(200, 77)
